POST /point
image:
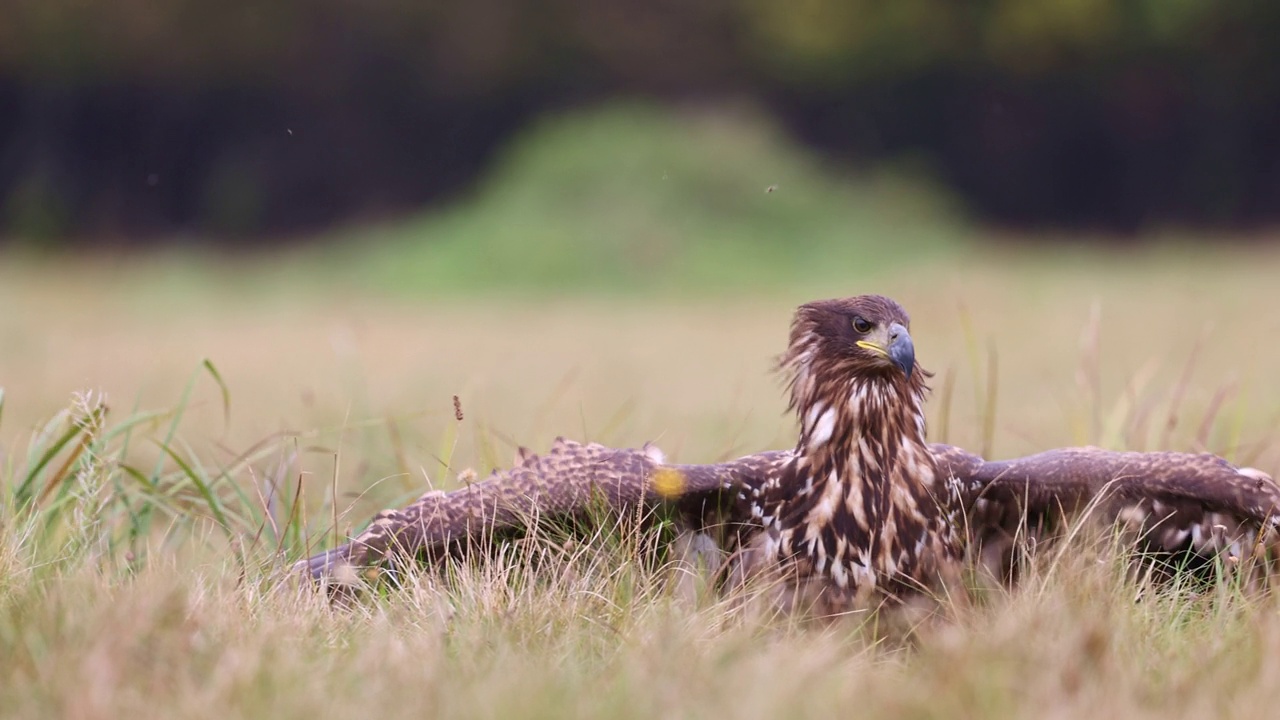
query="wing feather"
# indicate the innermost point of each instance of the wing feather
(1196, 506)
(565, 482)
(1178, 500)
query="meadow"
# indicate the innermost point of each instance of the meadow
(176, 429)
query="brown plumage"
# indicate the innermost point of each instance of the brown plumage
(1193, 509)
(567, 481)
(861, 506)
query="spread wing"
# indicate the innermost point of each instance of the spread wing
(1175, 501)
(1181, 504)
(567, 481)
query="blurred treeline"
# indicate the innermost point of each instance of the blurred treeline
(122, 119)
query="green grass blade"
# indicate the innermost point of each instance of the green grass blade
(128, 425)
(226, 393)
(989, 406)
(944, 405)
(122, 499)
(178, 413)
(23, 494)
(202, 487)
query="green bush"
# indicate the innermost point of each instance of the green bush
(628, 196)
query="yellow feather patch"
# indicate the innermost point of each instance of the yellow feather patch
(668, 482)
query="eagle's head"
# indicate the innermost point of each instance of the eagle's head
(858, 346)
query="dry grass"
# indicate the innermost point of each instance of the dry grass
(135, 583)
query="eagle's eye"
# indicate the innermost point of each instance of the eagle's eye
(861, 325)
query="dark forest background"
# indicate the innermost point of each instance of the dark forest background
(243, 121)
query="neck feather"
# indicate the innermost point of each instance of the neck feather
(863, 416)
(862, 496)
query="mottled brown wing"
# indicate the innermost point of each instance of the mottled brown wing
(1177, 500)
(1170, 502)
(565, 482)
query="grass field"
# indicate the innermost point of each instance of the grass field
(1146, 349)
(175, 430)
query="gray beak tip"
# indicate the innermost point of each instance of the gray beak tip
(901, 350)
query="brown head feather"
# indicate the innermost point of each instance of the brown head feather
(823, 348)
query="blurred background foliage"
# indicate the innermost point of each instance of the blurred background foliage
(637, 197)
(125, 121)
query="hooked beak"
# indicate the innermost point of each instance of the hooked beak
(900, 351)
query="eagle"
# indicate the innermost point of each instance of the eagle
(862, 508)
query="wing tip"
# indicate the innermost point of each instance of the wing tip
(330, 567)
